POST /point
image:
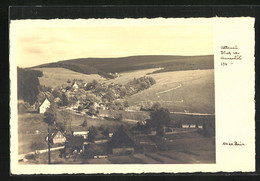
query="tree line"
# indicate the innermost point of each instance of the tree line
(28, 84)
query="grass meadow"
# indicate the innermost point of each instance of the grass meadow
(191, 90)
(55, 77)
(27, 125)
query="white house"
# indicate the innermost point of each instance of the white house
(200, 126)
(58, 137)
(80, 132)
(192, 125)
(75, 86)
(43, 107)
(185, 126)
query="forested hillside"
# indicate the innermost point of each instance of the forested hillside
(28, 84)
(104, 66)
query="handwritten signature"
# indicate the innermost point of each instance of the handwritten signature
(235, 143)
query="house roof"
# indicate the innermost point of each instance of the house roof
(75, 141)
(75, 84)
(57, 99)
(46, 99)
(53, 132)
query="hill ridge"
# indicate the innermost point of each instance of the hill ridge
(103, 66)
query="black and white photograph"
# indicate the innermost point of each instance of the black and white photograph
(128, 95)
(115, 94)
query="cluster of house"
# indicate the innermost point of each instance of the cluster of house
(75, 93)
(121, 141)
(74, 142)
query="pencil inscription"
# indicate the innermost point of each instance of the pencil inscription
(229, 54)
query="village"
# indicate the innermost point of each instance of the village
(90, 121)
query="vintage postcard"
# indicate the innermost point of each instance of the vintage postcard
(132, 95)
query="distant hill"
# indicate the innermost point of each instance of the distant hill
(103, 66)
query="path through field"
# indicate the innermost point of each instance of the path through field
(21, 156)
(169, 90)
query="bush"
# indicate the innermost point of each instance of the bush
(118, 117)
(85, 123)
(92, 134)
(31, 157)
(50, 115)
(156, 106)
(208, 130)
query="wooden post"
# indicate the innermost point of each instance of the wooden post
(49, 149)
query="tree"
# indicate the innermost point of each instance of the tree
(118, 117)
(92, 110)
(50, 115)
(156, 106)
(61, 126)
(123, 92)
(92, 134)
(64, 99)
(80, 108)
(106, 132)
(72, 100)
(109, 96)
(152, 81)
(92, 85)
(85, 123)
(56, 93)
(66, 116)
(126, 104)
(159, 119)
(91, 97)
(28, 84)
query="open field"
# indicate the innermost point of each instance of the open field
(191, 90)
(27, 126)
(140, 115)
(55, 77)
(127, 76)
(77, 120)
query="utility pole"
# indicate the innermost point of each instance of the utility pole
(49, 147)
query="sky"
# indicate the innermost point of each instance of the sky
(46, 41)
